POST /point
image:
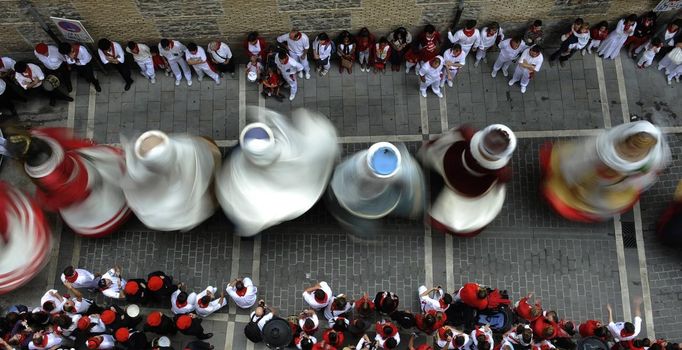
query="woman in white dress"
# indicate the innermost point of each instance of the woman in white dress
(610, 47)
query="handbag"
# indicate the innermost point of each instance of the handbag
(346, 63)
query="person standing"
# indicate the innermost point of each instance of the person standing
(534, 34)
(173, 51)
(669, 35)
(196, 57)
(143, 57)
(647, 57)
(429, 76)
(490, 36)
(527, 66)
(318, 296)
(30, 76)
(288, 68)
(159, 323)
(439, 302)
(365, 43)
(181, 302)
(322, 53)
(610, 47)
(111, 52)
(382, 55)
(454, 60)
(576, 40)
(346, 52)
(468, 37)
(221, 56)
(510, 49)
(55, 63)
(597, 34)
(400, 41)
(78, 55)
(160, 286)
(255, 45)
(429, 43)
(646, 25)
(298, 45)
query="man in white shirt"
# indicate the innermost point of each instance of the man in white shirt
(318, 296)
(529, 64)
(43, 340)
(439, 302)
(111, 52)
(206, 302)
(624, 331)
(76, 304)
(221, 56)
(54, 62)
(243, 292)
(101, 342)
(174, 52)
(92, 324)
(262, 315)
(288, 67)
(78, 56)
(454, 60)
(430, 75)
(298, 45)
(111, 284)
(143, 57)
(469, 37)
(322, 52)
(181, 302)
(6, 67)
(30, 76)
(196, 57)
(79, 278)
(51, 302)
(490, 36)
(509, 51)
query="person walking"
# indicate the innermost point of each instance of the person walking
(510, 49)
(111, 52)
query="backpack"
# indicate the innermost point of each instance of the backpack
(252, 331)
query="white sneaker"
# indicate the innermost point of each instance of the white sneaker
(177, 83)
(189, 83)
(407, 71)
(362, 69)
(670, 82)
(677, 79)
(153, 81)
(217, 82)
(523, 89)
(423, 93)
(442, 83)
(307, 75)
(292, 97)
(512, 82)
(476, 64)
(300, 74)
(583, 51)
(201, 78)
(450, 84)
(505, 72)
(439, 94)
(589, 52)
(493, 74)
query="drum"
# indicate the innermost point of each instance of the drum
(51, 83)
(133, 311)
(252, 76)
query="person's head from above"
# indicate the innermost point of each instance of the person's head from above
(42, 49)
(493, 27)
(435, 62)
(470, 25)
(166, 44)
(390, 344)
(345, 39)
(239, 285)
(323, 38)
(205, 300)
(675, 25)
(456, 49)
(631, 19)
(308, 324)
(552, 316)
(260, 311)
(49, 305)
(482, 292)
(483, 345)
(132, 46)
(306, 343)
(569, 328)
(388, 330)
(584, 28)
(535, 51)
(515, 42)
(253, 59)
(65, 49)
(429, 30)
(283, 57)
(63, 321)
(657, 42)
(294, 34)
(536, 26)
(320, 295)
(527, 335)
(628, 328)
(104, 44)
(601, 331)
(182, 298)
(333, 337)
(252, 38)
(577, 23)
(548, 331)
(340, 325)
(192, 47)
(154, 50)
(104, 283)
(459, 340)
(383, 41)
(447, 299)
(364, 32)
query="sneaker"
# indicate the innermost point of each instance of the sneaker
(217, 82)
(300, 75)
(189, 83)
(362, 69)
(307, 75)
(589, 52)
(442, 83)
(423, 93)
(476, 64)
(670, 82)
(677, 79)
(153, 81)
(292, 97)
(523, 89)
(407, 71)
(201, 78)
(450, 84)
(582, 52)
(439, 94)
(512, 82)
(494, 74)
(505, 72)
(128, 84)
(168, 73)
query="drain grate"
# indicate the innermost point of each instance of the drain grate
(629, 236)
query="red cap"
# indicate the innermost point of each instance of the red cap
(108, 316)
(155, 283)
(83, 322)
(154, 319)
(122, 335)
(41, 49)
(93, 343)
(183, 322)
(131, 288)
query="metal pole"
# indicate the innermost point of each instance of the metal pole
(36, 16)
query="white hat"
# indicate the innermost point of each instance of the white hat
(164, 341)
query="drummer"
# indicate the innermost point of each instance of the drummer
(136, 291)
(207, 304)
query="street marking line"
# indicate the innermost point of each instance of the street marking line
(644, 273)
(90, 128)
(229, 334)
(54, 254)
(443, 113)
(255, 275)
(449, 264)
(428, 256)
(71, 112)
(622, 271)
(622, 92)
(424, 115)
(242, 97)
(606, 113)
(234, 271)
(261, 99)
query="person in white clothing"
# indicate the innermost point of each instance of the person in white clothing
(55, 63)
(647, 57)
(454, 60)
(173, 51)
(196, 57)
(76, 304)
(339, 305)
(79, 278)
(624, 331)
(6, 67)
(243, 292)
(182, 302)
(529, 64)
(322, 53)
(52, 302)
(469, 37)
(43, 340)
(221, 56)
(288, 68)
(111, 52)
(79, 56)
(672, 63)
(206, 302)
(111, 284)
(298, 45)
(262, 314)
(92, 324)
(143, 57)
(318, 296)
(610, 47)
(481, 334)
(510, 49)
(430, 75)
(434, 299)
(308, 321)
(490, 36)
(101, 342)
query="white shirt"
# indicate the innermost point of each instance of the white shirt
(267, 317)
(473, 345)
(52, 340)
(298, 341)
(381, 340)
(222, 54)
(361, 343)
(97, 326)
(108, 342)
(85, 279)
(199, 55)
(330, 314)
(314, 318)
(49, 297)
(583, 39)
(507, 53)
(467, 42)
(249, 299)
(74, 324)
(118, 54)
(143, 54)
(292, 67)
(486, 41)
(431, 74)
(82, 58)
(212, 307)
(53, 59)
(428, 303)
(310, 298)
(323, 51)
(113, 291)
(255, 68)
(296, 47)
(450, 57)
(80, 306)
(191, 303)
(535, 61)
(7, 64)
(255, 49)
(173, 53)
(36, 73)
(381, 54)
(615, 329)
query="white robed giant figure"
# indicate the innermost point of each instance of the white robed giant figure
(279, 170)
(169, 179)
(25, 238)
(372, 184)
(610, 47)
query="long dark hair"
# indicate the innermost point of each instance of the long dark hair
(400, 34)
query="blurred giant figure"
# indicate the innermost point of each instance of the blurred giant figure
(279, 170)
(474, 167)
(169, 179)
(593, 180)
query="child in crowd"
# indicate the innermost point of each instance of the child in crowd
(254, 69)
(271, 84)
(159, 61)
(597, 34)
(382, 52)
(365, 43)
(412, 59)
(652, 48)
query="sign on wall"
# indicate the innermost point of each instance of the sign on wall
(72, 30)
(668, 5)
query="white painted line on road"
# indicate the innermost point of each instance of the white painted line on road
(229, 334)
(606, 114)
(242, 97)
(54, 254)
(449, 264)
(428, 256)
(644, 274)
(424, 115)
(71, 112)
(622, 272)
(90, 128)
(234, 271)
(622, 92)
(443, 113)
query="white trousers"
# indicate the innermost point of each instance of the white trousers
(147, 68)
(521, 74)
(646, 60)
(363, 57)
(175, 66)
(204, 68)
(291, 80)
(501, 63)
(480, 54)
(445, 78)
(304, 62)
(434, 84)
(593, 44)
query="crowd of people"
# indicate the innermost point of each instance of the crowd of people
(435, 60)
(474, 317)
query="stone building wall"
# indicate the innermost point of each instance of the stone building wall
(202, 20)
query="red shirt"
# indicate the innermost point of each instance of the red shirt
(469, 296)
(538, 326)
(362, 301)
(523, 310)
(380, 329)
(365, 43)
(440, 321)
(320, 346)
(596, 34)
(339, 337)
(587, 329)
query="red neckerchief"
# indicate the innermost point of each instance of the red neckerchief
(442, 303)
(28, 73)
(469, 32)
(73, 277)
(43, 343)
(626, 26)
(180, 305)
(624, 333)
(490, 34)
(241, 292)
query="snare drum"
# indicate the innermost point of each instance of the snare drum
(133, 311)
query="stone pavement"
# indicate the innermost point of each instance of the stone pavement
(574, 268)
